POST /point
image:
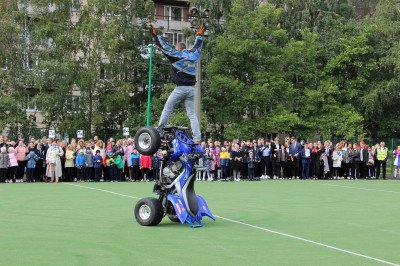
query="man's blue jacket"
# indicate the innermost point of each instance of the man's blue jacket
(183, 63)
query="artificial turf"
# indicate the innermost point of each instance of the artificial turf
(60, 224)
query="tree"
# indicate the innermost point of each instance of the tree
(246, 73)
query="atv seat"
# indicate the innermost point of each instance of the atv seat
(176, 127)
(190, 198)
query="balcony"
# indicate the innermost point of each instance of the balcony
(169, 23)
(31, 8)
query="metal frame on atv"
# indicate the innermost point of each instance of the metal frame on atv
(175, 184)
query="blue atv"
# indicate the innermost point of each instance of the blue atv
(175, 184)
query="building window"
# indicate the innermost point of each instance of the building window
(31, 104)
(105, 71)
(71, 104)
(3, 63)
(271, 136)
(32, 61)
(173, 38)
(173, 13)
(74, 102)
(75, 5)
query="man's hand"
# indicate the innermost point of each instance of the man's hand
(153, 31)
(200, 32)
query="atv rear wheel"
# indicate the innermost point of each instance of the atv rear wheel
(149, 211)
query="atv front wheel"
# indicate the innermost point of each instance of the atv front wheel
(174, 218)
(147, 140)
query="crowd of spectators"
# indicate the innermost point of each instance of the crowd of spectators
(271, 159)
(80, 161)
(118, 160)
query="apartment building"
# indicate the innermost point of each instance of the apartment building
(171, 15)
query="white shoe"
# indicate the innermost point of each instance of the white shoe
(204, 179)
(141, 180)
(238, 179)
(348, 177)
(101, 180)
(147, 180)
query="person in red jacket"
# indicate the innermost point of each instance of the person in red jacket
(145, 164)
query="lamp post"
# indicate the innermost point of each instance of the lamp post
(195, 22)
(149, 95)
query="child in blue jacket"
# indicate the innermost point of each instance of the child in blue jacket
(135, 163)
(97, 163)
(306, 161)
(32, 158)
(155, 166)
(80, 166)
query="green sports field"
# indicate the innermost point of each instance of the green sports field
(274, 222)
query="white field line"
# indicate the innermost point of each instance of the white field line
(264, 229)
(102, 190)
(362, 188)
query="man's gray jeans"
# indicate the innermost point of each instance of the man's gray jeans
(182, 94)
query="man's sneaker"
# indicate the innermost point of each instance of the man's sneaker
(160, 132)
(101, 180)
(141, 180)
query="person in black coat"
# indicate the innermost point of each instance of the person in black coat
(275, 158)
(236, 160)
(318, 164)
(155, 166)
(245, 152)
(257, 158)
(284, 156)
(21, 138)
(364, 157)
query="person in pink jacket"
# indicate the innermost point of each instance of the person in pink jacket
(217, 159)
(21, 150)
(13, 169)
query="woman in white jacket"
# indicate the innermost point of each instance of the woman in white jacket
(337, 159)
(53, 161)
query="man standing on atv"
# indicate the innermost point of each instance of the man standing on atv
(183, 74)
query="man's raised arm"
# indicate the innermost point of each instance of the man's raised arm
(164, 47)
(198, 44)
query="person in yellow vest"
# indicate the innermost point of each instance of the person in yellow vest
(381, 158)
